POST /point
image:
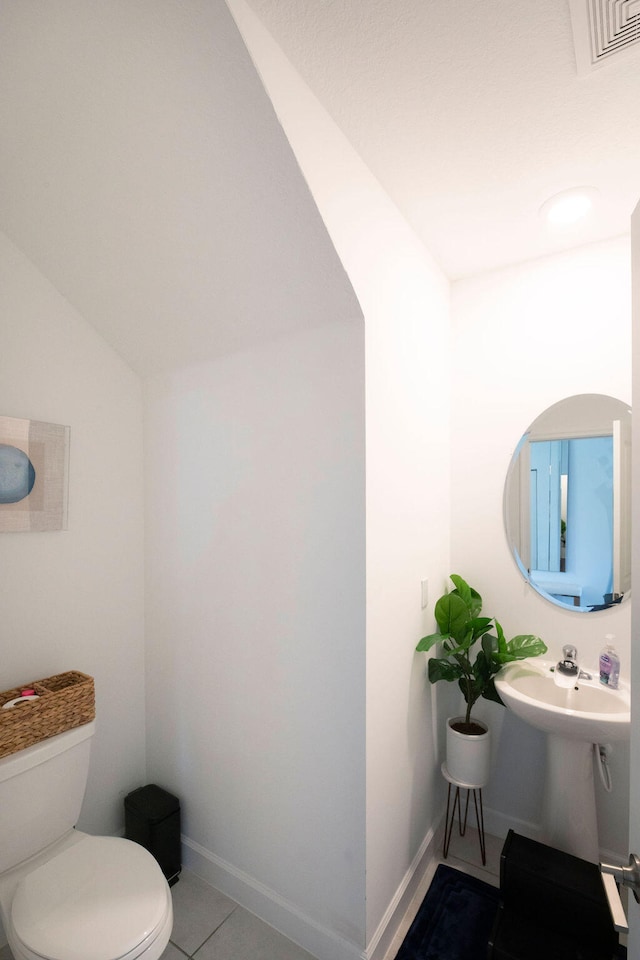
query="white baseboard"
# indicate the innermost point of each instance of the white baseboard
(424, 860)
(265, 903)
(498, 824)
(312, 936)
(297, 926)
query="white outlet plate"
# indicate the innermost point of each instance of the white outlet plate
(424, 592)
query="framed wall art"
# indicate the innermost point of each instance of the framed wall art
(34, 475)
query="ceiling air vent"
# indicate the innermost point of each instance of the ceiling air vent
(603, 29)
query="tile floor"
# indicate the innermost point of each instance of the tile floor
(207, 925)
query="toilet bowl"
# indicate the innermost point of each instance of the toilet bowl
(78, 897)
(88, 898)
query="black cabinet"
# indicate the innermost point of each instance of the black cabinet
(553, 906)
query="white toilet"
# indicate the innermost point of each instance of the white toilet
(65, 895)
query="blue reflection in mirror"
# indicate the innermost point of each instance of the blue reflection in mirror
(567, 503)
(581, 548)
(17, 475)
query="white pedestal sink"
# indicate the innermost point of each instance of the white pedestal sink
(574, 719)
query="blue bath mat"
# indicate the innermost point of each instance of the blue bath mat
(455, 919)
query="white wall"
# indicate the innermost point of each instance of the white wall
(524, 338)
(307, 766)
(634, 820)
(404, 298)
(256, 599)
(73, 600)
(160, 189)
(255, 619)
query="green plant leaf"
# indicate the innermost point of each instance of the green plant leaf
(458, 618)
(483, 667)
(489, 646)
(525, 645)
(428, 642)
(490, 693)
(476, 602)
(471, 597)
(462, 648)
(471, 690)
(443, 670)
(479, 626)
(462, 587)
(502, 643)
(451, 615)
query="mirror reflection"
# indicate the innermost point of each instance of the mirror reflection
(567, 503)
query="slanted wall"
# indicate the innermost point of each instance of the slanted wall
(404, 298)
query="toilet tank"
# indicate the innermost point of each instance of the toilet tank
(41, 793)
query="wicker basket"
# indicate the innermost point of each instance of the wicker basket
(64, 701)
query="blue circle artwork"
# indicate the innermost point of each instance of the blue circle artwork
(17, 475)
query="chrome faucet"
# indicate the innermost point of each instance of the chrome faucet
(567, 672)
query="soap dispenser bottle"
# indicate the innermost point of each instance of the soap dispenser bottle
(610, 664)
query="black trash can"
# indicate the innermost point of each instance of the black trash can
(152, 819)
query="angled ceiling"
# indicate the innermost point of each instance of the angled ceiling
(472, 114)
(143, 171)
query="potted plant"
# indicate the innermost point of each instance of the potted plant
(461, 628)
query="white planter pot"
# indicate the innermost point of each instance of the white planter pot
(468, 755)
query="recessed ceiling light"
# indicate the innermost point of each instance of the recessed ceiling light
(568, 207)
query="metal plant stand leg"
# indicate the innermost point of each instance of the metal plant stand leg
(477, 799)
(448, 824)
(462, 826)
(463, 829)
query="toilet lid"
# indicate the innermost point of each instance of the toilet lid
(97, 900)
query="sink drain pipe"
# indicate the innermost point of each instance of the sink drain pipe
(601, 752)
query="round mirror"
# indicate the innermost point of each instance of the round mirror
(567, 503)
